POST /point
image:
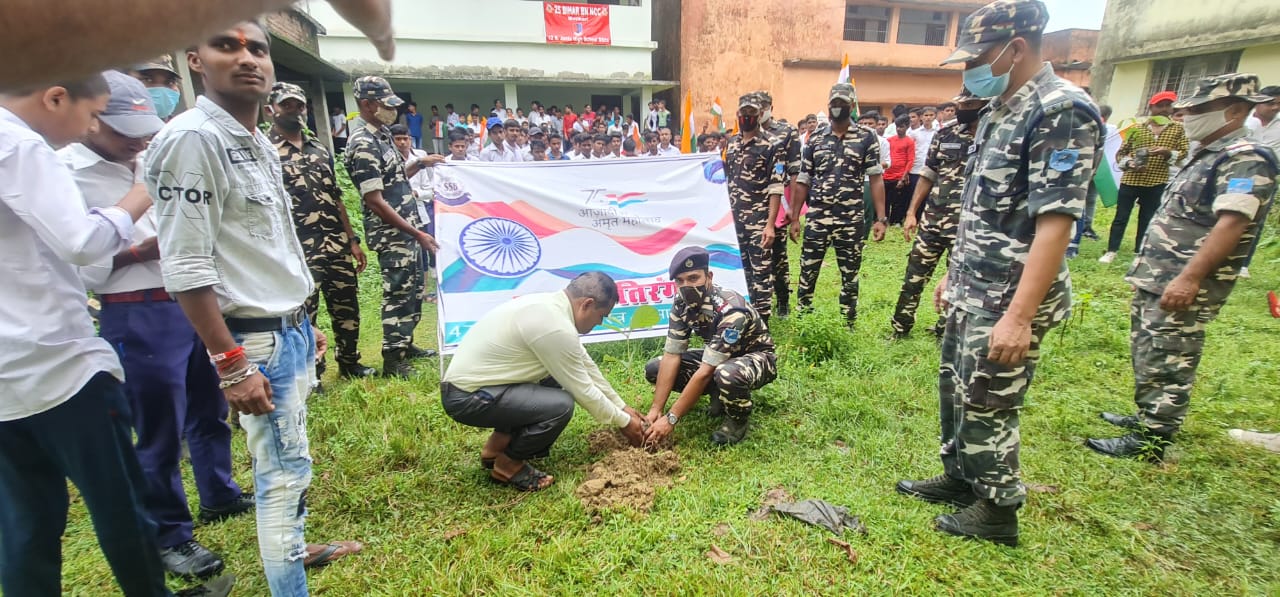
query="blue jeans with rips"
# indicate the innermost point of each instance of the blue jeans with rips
(281, 457)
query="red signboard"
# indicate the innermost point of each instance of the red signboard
(586, 24)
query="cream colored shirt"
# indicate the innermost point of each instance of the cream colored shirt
(524, 341)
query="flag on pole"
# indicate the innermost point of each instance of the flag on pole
(1106, 178)
(635, 136)
(844, 71)
(718, 112)
(689, 140)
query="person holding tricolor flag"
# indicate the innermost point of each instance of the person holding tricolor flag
(688, 138)
(718, 113)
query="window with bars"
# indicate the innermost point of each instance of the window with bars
(923, 27)
(1182, 75)
(866, 23)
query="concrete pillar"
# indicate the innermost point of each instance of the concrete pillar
(646, 96)
(509, 97)
(320, 103)
(349, 97)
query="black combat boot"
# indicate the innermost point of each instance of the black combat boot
(394, 364)
(356, 370)
(1126, 421)
(982, 520)
(417, 352)
(1142, 444)
(716, 408)
(734, 427)
(784, 306)
(940, 490)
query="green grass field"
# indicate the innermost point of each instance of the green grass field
(392, 470)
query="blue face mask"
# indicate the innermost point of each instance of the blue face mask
(165, 99)
(982, 82)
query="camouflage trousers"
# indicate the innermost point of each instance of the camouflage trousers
(757, 262)
(732, 381)
(979, 404)
(335, 276)
(926, 252)
(781, 269)
(844, 234)
(1166, 349)
(402, 287)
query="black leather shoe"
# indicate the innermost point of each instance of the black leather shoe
(357, 370)
(218, 587)
(417, 352)
(394, 366)
(1143, 445)
(983, 520)
(939, 490)
(241, 505)
(1126, 421)
(191, 560)
(732, 431)
(782, 310)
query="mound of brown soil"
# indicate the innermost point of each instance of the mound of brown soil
(626, 478)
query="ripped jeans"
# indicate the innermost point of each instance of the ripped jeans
(281, 458)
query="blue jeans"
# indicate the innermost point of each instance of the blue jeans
(281, 458)
(87, 439)
(173, 392)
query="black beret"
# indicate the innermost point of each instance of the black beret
(689, 259)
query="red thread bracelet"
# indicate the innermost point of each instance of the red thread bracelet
(227, 356)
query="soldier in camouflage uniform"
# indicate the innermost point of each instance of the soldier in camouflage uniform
(834, 164)
(390, 220)
(754, 166)
(320, 219)
(1191, 257)
(737, 356)
(944, 168)
(786, 139)
(1008, 281)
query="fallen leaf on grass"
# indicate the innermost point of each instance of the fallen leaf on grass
(720, 530)
(719, 556)
(848, 549)
(840, 444)
(773, 497)
(454, 534)
(1142, 526)
(1036, 487)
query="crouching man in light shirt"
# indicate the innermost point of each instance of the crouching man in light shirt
(521, 369)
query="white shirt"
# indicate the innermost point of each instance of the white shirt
(923, 136)
(500, 152)
(104, 183)
(884, 151)
(527, 339)
(223, 215)
(469, 158)
(668, 150)
(500, 113)
(1269, 135)
(535, 119)
(338, 130)
(49, 348)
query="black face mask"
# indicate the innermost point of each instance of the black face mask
(694, 295)
(968, 116)
(839, 113)
(290, 123)
(748, 123)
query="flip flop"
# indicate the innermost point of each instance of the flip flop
(335, 550)
(526, 479)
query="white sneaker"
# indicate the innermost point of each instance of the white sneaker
(1268, 441)
(1244, 273)
(1107, 257)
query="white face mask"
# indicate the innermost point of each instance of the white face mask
(1199, 126)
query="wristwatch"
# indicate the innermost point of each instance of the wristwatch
(672, 418)
(882, 221)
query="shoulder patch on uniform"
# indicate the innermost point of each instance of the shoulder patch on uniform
(730, 336)
(1056, 105)
(1240, 185)
(1063, 160)
(778, 168)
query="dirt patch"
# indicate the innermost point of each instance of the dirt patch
(626, 478)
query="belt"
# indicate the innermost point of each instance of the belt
(246, 325)
(137, 296)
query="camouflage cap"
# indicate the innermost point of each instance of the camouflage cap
(1241, 85)
(843, 91)
(689, 259)
(997, 22)
(750, 100)
(282, 91)
(164, 63)
(377, 89)
(765, 98)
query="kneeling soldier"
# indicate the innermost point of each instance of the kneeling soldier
(738, 356)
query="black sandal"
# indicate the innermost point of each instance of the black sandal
(526, 479)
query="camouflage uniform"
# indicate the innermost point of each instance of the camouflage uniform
(833, 168)
(737, 344)
(309, 178)
(787, 141)
(1166, 346)
(1019, 174)
(374, 164)
(944, 167)
(755, 169)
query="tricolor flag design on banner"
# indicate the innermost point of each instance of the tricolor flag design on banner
(718, 112)
(689, 140)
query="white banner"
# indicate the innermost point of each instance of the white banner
(509, 229)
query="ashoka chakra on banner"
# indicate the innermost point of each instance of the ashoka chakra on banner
(500, 247)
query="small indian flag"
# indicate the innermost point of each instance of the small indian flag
(718, 112)
(844, 76)
(439, 126)
(635, 136)
(1106, 178)
(689, 141)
